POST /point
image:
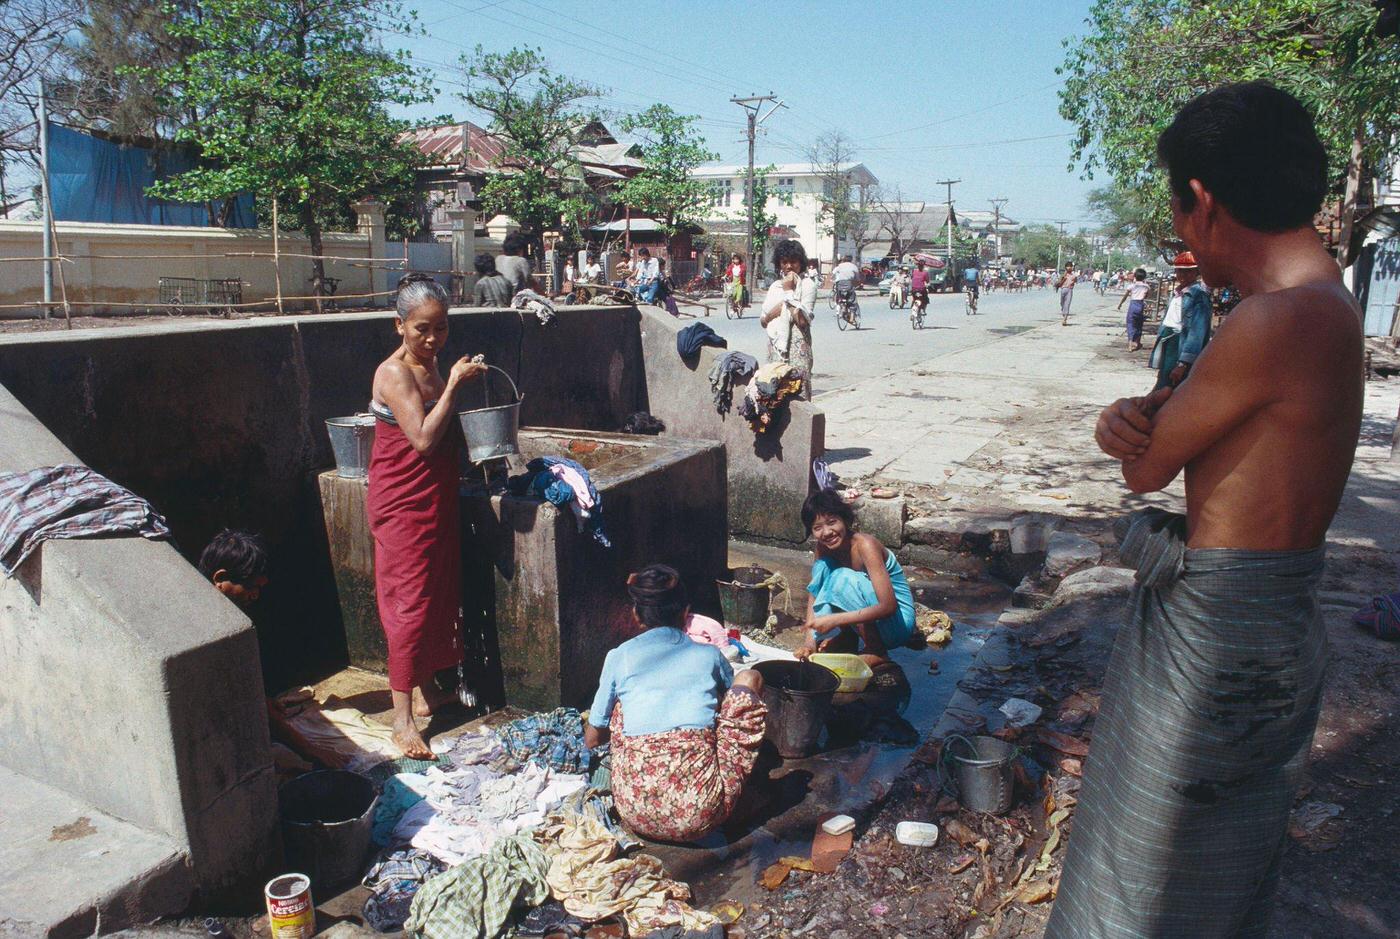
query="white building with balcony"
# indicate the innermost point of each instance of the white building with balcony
(795, 200)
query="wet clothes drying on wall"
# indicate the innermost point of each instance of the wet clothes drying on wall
(772, 385)
(67, 501)
(562, 481)
(729, 370)
(642, 422)
(693, 337)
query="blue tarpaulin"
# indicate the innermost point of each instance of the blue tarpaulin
(96, 180)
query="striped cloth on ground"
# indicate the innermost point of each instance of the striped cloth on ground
(1208, 713)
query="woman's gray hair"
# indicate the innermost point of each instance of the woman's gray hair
(416, 290)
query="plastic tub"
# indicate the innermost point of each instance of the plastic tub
(798, 695)
(851, 669)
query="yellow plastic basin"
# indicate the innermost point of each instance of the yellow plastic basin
(851, 669)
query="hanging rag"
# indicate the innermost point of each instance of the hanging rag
(553, 739)
(67, 501)
(535, 303)
(822, 474)
(693, 337)
(728, 370)
(772, 385)
(475, 899)
(587, 504)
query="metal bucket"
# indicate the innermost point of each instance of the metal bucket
(982, 777)
(326, 820)
(743, 602)
(351, 439)
(492, 432)
(798, 696)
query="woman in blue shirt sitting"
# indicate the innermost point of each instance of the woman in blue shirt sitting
(685, 729)
(859, 599)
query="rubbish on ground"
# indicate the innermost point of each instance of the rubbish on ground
(850, 495)
(879, 908)
(828, 849)
(838, 824)
(1035, 892)
(1072, 766)
(290, 912)
(1309, 816)
(961, 863)
(1063, 742)
(1020, 712)
(961, 833)
(728, 911)
(916, 834)
(879, 492)
(774, 875)
(936, 626)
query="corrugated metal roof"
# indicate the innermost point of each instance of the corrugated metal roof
(443, 147)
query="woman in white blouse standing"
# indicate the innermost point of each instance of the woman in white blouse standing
(788, 309)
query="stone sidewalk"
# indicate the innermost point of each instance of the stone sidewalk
(1008, 424)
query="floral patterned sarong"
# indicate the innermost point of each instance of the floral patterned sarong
(682, 784)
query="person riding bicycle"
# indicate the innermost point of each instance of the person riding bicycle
(918, 287)
(971, 283)
(737, 274)
(843, 280)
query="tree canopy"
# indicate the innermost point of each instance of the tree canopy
(540, 119)
(287, 99)
(671, 149)
(846, 215)
(1143, 59)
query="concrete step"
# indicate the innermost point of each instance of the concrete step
(71, 870)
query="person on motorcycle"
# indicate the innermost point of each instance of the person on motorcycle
(899, 287)
(918, 285)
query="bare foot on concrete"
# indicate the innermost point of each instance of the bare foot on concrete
(429, 699)
(410, 741)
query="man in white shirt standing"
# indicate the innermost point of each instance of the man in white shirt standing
(648, 276)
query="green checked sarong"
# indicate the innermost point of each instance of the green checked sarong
(1208, 712)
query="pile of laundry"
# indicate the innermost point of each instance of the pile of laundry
(771, 386)
(562, 481)
(509, 833)
(729, 370)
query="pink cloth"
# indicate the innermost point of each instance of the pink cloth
(705, 630)
(576, 482)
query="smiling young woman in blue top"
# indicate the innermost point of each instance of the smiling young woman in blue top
(859, 599)
(685, 730)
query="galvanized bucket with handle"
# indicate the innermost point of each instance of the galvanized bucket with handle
(981, 777)
(351, 440)
(493, 431)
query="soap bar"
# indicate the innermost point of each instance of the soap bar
(838, 824)
(916, 834)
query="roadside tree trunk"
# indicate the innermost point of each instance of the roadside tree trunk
(318, 264)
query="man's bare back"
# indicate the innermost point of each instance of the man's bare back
(1266, 425)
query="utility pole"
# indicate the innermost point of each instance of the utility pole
(1060, 248)
(46, 208)
(752, 105)
(997, 203)
(949, 183)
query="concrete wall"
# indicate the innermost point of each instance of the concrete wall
(169, 251)
(769, 474)
(131, 684)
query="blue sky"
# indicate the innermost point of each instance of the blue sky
(928, 90)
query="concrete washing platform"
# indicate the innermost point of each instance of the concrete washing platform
(545, 602)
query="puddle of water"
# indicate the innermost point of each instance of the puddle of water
(847, 779)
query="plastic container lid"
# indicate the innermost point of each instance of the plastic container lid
(916, 834)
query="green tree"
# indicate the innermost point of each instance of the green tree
(287, 100)
(1043, 246)
(763, 220)
(539, 118)
(1127, 217)
(1143, 59)
(671, 149)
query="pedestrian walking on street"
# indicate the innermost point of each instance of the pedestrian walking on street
(491, 288)
(513, 264)
(1215, 682)
(1186, 325)
(1066, 287)
(1136, 295)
